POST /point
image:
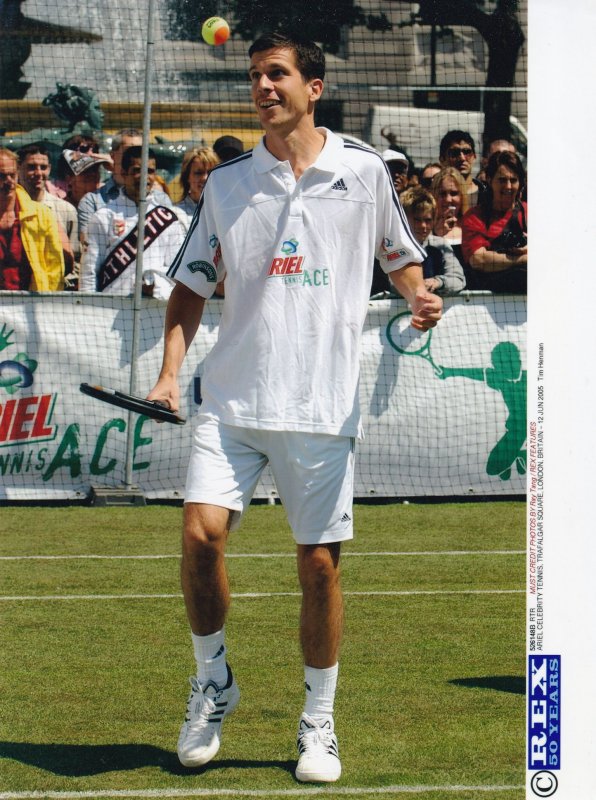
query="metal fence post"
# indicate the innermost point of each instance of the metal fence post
(137, 299)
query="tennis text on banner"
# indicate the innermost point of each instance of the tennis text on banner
(66, 453)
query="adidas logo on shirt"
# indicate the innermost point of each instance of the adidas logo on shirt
(340, 186)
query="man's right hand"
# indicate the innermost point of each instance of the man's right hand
(166, 391)
(183, 316)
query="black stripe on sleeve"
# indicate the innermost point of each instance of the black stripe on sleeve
(180, 254)
(394, 195)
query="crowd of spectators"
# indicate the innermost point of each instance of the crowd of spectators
(478, 219)
(70, 230)
(78, 229)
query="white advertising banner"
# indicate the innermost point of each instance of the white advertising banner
(444, 412)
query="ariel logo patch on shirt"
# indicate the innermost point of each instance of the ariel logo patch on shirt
(206, 268)
(396, 254)
(289, 247)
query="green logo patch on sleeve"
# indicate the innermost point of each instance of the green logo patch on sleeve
(206, 268)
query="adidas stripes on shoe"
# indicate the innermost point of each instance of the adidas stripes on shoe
(207, 708)
(318, 755)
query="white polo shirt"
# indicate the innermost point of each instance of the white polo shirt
(297, 256)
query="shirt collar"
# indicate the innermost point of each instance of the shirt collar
(327, 160)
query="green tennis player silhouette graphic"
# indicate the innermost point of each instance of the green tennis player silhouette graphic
(505, 375)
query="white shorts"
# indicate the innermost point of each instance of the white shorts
(314, 475)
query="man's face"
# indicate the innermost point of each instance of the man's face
(498, 146)
(34, 172)
(132, 178)
(461, 156)
(501, 146)
(281, 95)
(399, 173)
(8, 177)
(127, 141)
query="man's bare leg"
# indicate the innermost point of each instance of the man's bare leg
(321, 618)
(203, 571)
(321, 627)
(214, 693)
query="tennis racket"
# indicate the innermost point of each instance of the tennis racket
(410, 342)
(150, 408)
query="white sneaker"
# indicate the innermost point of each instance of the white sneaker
(207, 707)
(318, 756)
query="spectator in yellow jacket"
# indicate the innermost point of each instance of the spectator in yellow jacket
(30, 247)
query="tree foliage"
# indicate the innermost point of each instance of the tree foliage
(321, 22)
(326, 22)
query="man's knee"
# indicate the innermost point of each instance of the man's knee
(205, 529)
(318, 566)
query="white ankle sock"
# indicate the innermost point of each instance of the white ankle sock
(320, 687)
(210, 655)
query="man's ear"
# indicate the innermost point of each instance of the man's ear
(316, 88)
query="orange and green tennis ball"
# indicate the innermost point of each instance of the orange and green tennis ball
(215, 30)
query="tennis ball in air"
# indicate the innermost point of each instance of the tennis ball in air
(215, 30)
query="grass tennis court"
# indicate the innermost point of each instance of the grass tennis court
(96, 655)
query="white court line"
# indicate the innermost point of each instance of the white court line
(336, 791)
(269, 555)
(255, 595)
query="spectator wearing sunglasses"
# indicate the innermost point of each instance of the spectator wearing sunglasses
(77, 182)
(399, 167)
(109, 262)
(427, 173)
(93, 201)
(457, 149)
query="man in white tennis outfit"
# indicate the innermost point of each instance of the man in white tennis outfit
(293, 226)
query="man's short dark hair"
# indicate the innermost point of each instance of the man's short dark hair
(31, 150)
(455, 137)
(310, 59)
(134, 151)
